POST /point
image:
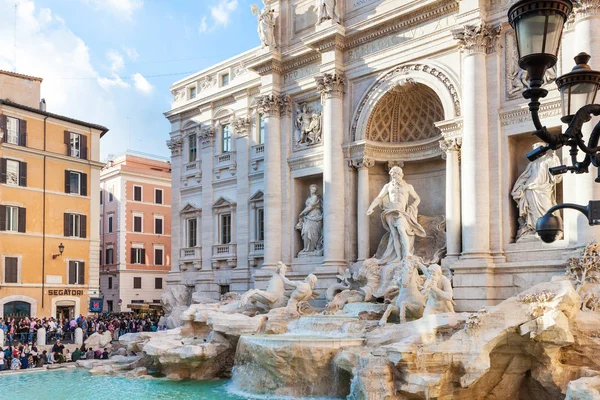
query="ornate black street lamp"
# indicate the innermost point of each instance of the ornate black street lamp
(538, 26)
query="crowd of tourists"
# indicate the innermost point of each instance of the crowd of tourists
(19, 349)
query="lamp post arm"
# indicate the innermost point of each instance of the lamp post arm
(555, 141)
(583, 115)
(582, 209)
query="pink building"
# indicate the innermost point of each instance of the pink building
(135, 231)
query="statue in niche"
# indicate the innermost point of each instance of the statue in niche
(327, 9)
(437, 291)
(308, 124)
(399, 218)
(266, 24)
(310, 224)
(535, 192)
(274, 296)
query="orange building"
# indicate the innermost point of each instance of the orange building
(49, 174)
(135, 217)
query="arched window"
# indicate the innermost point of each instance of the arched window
(17, 310)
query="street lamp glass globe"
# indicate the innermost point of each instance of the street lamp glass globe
(538, 27)
(579, 87)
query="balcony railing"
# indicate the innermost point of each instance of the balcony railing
(257, 248)
(224, 159)
(191, 254)
(257, 151)
(191, 167)
(224, 251)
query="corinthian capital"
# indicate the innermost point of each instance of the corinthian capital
(175, 145)
(452, 144)
(586, 8)
(286, 105)
(241, 126)
(331, 85)
(269, 105)
(479, 38)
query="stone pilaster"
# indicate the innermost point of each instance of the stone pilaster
(331, 86)
(207, 239)
(362, 166)
(270, 106)
(241, 128)
(287, 228)
(175, 145)
(587, 26)
(474, 42)
(451, 153)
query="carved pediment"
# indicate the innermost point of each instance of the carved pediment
(224, 202)
(258, 196)
(190, 208)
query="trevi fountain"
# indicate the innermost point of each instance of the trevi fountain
(389, 329)
(394, 324)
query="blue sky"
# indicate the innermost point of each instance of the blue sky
(100, 58)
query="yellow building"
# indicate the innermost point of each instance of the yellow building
(49, 200)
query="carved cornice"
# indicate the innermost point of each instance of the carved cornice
(189, 113)
(522, 114)
(298, 62)
(331, 85)
(585, 9)
(403, 22)
(241, 126)
(478, 38)
(362, 162)
(447, 145)
(269, 67)
(450, 128)
(384, 152)
(175, 146)
(223, 102)
(269, 105)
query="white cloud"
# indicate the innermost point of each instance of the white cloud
(203, 25)
(142, 84)
(132, 53)
(72, 85)
(123, 9)
(220, 15)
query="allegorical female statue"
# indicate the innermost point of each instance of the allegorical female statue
(535, 192)
(399, 218)
(327, 9)
(310, 224)
(266, 24)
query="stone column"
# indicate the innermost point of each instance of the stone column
(362, 226)
(331, 86)
(287, 229)
(175, 145)
(474, 42)
(587, 26)
(451, 153)
(242, 233)
(270, 107)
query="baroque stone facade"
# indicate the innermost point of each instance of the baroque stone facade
(333, 101)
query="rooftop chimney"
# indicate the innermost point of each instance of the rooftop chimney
(43, 105)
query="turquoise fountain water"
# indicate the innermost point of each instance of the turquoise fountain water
(80, 385)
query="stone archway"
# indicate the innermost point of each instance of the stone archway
(19, 298)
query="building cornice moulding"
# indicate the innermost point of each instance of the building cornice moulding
(522, 114)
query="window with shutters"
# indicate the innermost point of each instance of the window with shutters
(192, 230)
(109, 305)
(76, 273)
(158, 283)
(137, 282)
(11, 270)
(75, 144)
(158, 225)
(138, 256)
(260, 224)
(110, 283)
(137, 193)
(225, 228)
(138, 223)
(76, 183)
(158, 196)
(110, 223)
(12, 130)
(13, 172)
(75, 225)
(101, 196)
(12, 219)
(159, 256)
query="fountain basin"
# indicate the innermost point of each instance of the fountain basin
(292, 365)
(353, 309)
(339, 326)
